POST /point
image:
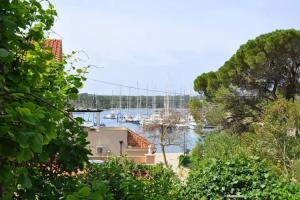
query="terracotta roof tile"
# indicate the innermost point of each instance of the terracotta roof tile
(56, 46)
(136, 141)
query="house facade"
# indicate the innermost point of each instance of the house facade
(117, 141)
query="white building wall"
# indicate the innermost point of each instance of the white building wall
(109, 138)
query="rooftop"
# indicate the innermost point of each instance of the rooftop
(136, 141)
(56, 46)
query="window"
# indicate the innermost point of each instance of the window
(100, 150)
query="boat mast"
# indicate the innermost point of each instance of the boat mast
(173, 101)
(180, 103)
(120, 98)
(112, 100)
(137, 99)
(129, 104)
(147, 100)
(140, 103)
(165, 104)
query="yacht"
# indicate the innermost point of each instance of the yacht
(111, 115)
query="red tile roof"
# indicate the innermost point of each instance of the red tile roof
(136, 141)
(56, 46)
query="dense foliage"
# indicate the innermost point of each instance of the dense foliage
(117, 178)
(219, 146)
(37, 134)
(122, 179)
(275, 138)
(221, 161)
(278, 136)
(250, 178)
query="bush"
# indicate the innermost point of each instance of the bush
(184, 161)
(251, 177)
(126, 180)
(117, 178)
(218, 146)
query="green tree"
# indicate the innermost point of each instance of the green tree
(278, 134)
(196, 108)
(260, 71)
(37, 134)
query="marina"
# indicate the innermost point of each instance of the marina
(185, 136)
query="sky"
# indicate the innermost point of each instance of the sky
(162, 44)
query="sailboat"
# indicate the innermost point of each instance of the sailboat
(111, 115)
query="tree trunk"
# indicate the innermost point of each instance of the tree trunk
(162, 139)
(164, 154)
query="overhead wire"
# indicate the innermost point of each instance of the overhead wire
(133, 87)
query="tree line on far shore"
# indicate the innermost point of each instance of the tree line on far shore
(86, 100)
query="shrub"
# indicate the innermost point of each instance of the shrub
(184, 161)
(221, 146)
(251, 177)
(126, 180)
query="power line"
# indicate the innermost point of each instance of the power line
(133, 87)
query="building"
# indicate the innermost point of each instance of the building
(118, 141)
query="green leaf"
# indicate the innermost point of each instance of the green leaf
(25, 181)
(84, 192)
(8, 23)
(24, 155)
(23, 138)
(23, 111)
(97, 196)
(3, 52)
(36, 143)
(52, 135)
(71, 197)
(26, 115)
(73, 96)
(99, 186)
(43, 157)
